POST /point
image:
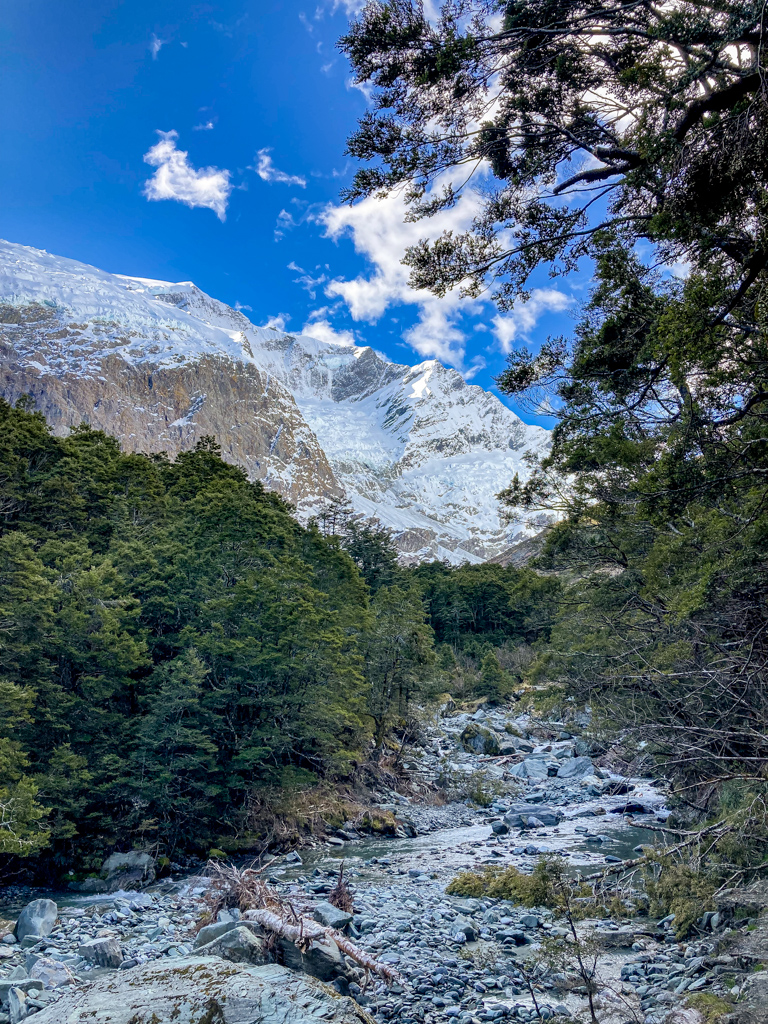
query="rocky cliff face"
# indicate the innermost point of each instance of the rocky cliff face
(160, 365)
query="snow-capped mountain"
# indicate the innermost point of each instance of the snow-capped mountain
(160, 365)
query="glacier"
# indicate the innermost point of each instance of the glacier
(416, 447)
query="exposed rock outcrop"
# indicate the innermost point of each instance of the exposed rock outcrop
(204, 990)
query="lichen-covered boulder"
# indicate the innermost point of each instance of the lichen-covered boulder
(203, 990)
(479, 740)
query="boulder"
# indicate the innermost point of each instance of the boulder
(507, 747)
(615, 938)
(499, 828)
(478, 740)
(17, 1005)
(37, 918)
(322, 960)
(575, 768)
(89, 885)
(755, 997)
(197, 989)
(238, 944)
(50, 973)
(105, 952)
(330, 916)
(518, 814)
(212, 931)
(631, 807)
(534, 767)
(128, 870)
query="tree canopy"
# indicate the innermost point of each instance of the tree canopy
(650, 119)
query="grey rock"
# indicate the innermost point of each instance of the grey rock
(330, 916)
(518, 815)
(191, 990)
(754, 993)
(499, 828)
(212, 931)
(238, 944)
(575, 768)
(105, 952)
(531, 768)
(620, 938)
(322, 960)
(17, 1005)
(37, 918)
(25, 984)
(51, 973)
(479, 740)
(89, 885)
(128, 870)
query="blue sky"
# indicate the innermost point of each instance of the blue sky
(205, 142)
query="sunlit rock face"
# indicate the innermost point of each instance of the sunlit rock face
(161, 365)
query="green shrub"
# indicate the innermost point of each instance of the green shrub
(539, 889)
(680, 890)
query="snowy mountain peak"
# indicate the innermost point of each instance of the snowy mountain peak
(415, 446)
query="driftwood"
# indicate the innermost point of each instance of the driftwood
(306, 932)
(258, 902)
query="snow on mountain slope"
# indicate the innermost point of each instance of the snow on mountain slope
(416, 447)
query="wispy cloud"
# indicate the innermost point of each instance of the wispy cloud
(306, 280)
(206, 126)
(175, 178)
(267, 171)
(525, 315)
(156, 45)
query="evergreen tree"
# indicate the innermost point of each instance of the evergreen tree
(492, 678)
(399, 650)
(372, 550)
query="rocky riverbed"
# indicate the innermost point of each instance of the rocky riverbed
(457, 959)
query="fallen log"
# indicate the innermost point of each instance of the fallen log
(306, 932)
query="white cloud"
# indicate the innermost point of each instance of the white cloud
(525, 315)
(364, 87)
(350, 7)
(208, 126)
(285, 222)
(277, 323)
(156, 45)
(379, 231)
(240, 306)
(267, 171)
(175, 178)
(321, 330)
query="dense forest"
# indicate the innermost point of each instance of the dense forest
(175, 645)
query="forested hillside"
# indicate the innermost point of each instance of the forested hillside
(176, 647)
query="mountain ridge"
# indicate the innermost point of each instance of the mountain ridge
(159, 364)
